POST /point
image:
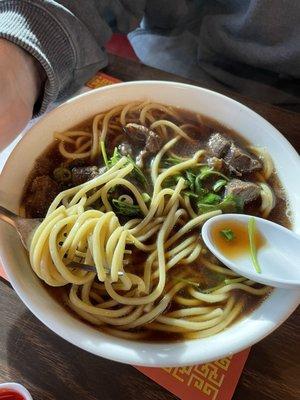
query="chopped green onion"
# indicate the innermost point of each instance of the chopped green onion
(253, 250)
(126, 198)
(219, 184)
(62, 174)
(227, 234)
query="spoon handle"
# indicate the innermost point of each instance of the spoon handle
(8, 216)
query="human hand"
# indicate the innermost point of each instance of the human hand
(20, 85)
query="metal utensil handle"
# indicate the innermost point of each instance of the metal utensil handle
(8, 216)
(74, 264)
(86, 267)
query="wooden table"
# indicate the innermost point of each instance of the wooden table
(53, 369)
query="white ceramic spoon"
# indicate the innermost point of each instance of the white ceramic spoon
(279, 257)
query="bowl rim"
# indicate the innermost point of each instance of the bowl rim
(115, 344)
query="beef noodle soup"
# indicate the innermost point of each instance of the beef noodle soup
(127, 193)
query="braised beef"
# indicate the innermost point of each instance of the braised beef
(237, 160)
(141, 135)
(136, 133)
(43, 191)
(154, 142)
(125, 149)
(83, 174)
(248, 191)
(218, 145)
(216, 163)
(240, 161)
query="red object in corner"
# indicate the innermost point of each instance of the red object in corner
(120, 46)
(9, 394)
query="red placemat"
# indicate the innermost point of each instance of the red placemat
(212, 381)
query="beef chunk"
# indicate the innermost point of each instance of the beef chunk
(125, 149)
(218, 145)
(154, 142)
(248, 191)
(136, 133)
(216, 163)
(153, 145)
(84, 174)
(240, 161)
(43, 191)
(141, 135)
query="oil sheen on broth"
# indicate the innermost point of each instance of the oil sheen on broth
(53, 173)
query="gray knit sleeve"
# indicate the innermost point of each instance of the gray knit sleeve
(66, 48)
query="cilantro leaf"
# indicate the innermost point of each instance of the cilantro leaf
(174, 160)
(198, 185)
(230, 204)
(114, 158)
(190, 194)
(126, 209)
(211, 198)
(190, 178)
(136, 172)
(207, 171)
(171, 181)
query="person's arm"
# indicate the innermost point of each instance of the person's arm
(21, 82)
(64, 39)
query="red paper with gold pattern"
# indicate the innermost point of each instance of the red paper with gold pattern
(101, 79)
(212, 381)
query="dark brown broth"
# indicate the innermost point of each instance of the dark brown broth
(51, 158)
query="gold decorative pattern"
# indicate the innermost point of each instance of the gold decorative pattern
(101, 79)
(207, 378)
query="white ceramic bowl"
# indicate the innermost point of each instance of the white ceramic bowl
(17, 387)
(250, 329)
